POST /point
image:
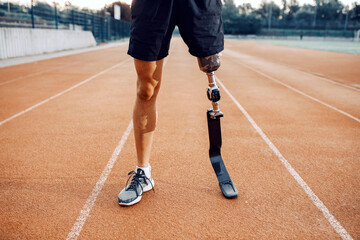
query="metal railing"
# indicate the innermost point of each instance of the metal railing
(319, 24)
(42, 15)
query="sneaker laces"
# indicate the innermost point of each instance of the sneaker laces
(136, 180)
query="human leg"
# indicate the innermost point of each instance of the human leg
(151, 30)
(144, 119)
(202, 32)
(144, 114)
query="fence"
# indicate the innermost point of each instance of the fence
(307, 32)
(315, 25)
(42, 15)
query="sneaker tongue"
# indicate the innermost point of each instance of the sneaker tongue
(140, 171)
(136, 180)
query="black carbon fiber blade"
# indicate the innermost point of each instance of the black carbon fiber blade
(226, 185)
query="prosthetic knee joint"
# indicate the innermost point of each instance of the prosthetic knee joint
(209, 65)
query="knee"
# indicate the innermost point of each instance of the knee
(210, 63)
(145, 89)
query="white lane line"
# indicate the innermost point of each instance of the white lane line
(312, 75)
(85, 212)
(331, 81)
(300, 92)
(63, 92)
(317, 202)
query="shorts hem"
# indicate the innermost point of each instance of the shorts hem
(206, 54)
(147, 58)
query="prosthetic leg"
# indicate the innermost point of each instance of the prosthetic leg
(209, 65)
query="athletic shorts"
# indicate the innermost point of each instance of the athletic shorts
(153, 22)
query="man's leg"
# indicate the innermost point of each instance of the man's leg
(209, 65)
(144, 118)
(145, 115)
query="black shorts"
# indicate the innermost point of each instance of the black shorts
(153, 22)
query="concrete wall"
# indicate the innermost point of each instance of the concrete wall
(17, 42)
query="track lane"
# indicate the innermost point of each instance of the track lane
(63, 92)
(314, 198)
(52, 156)
(22, 94)
(321, 144)
(187, 203)
(319, 63)
(68, 142)
(345, 101)
(21, 71)
(85, 212)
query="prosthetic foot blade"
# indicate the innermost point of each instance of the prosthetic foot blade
(226, 185)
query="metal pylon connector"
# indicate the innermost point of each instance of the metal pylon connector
(213, 94)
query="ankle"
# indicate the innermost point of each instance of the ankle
(147, 170)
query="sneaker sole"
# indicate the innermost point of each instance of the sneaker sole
(145, 189)
(131, 203)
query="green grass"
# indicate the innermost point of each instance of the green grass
(324, 45)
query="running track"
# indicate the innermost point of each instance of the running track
(291, 135)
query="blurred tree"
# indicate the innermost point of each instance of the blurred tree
(239, 20)
(248, 24)
(229, 9)
(265, 8)
(230, 14)
(304, 18)
(329, 9)
(355, 12)
(246, 8)
(284, 9)
(308, 7)
(293, 8)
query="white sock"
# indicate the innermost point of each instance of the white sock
(146, 170)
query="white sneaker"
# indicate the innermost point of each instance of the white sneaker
(133, 192)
